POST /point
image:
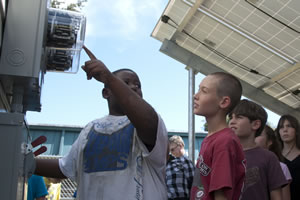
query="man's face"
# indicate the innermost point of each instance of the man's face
(133, 82)
(206, 100)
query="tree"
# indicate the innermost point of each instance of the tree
(72, 6)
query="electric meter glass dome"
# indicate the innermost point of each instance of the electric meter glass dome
(65, 37)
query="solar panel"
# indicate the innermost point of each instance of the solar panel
(255, 40)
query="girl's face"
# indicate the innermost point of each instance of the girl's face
(287, 132)
(175, 149)
(262, 140)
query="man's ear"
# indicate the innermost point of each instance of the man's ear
(225, 102)
(256, 124)
(106, 93)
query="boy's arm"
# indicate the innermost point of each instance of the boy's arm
(276, 194)
(219, 195)
(140, 113)
(48, 168)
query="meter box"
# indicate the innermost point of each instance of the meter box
(65, 36)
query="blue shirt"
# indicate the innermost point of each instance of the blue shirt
(36, 187)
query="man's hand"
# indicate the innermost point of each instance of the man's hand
(94, 68)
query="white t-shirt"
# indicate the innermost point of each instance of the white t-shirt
(109, 162)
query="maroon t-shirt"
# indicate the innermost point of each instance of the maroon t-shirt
(220, 165)
(264, 174)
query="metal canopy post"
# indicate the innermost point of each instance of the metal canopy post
(191, 119)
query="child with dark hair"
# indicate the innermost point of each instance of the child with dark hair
(264, 177)
(268, 140)
(288, 132)
(220, 169)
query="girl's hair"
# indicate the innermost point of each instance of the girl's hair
(294, 123)
(177, 140)
(275, 147)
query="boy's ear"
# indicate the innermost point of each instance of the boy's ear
(106, 93)
(256, 124)
(225, 102)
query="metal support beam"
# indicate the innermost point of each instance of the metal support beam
(286, 72)
(186, 57)
(191, 121)
(189, 15)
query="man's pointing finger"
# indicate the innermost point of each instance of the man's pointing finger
(89, 53)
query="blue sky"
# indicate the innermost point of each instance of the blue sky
(118, 33)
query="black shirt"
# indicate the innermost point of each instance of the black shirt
(294, 167)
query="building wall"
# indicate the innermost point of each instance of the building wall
(61, 138)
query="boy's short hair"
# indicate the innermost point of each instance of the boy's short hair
(177, 140)
(228, 85)
(253, 112)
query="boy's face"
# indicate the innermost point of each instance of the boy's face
(206, 100)
(241, 125)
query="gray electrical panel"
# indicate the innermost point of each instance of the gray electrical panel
(22, 60)
(13, 142)
(35, 39)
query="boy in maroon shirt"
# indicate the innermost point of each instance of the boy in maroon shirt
(220, 169)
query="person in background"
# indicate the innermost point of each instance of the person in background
(54, 187)
(288, 132)
(36, 188)
(264, 176)
(268, 140)
(179, 171)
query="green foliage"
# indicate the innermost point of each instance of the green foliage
(72, 6)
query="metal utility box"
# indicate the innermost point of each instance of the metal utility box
(22, 56)
(13, 140)
(37, 39)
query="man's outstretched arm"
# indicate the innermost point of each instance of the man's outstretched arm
(48, 168)
(140, 113)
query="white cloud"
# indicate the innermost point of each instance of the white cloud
(121, 18)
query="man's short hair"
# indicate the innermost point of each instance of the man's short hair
(228, 85)
(120, 70)
(253, 112)
(177, 140)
